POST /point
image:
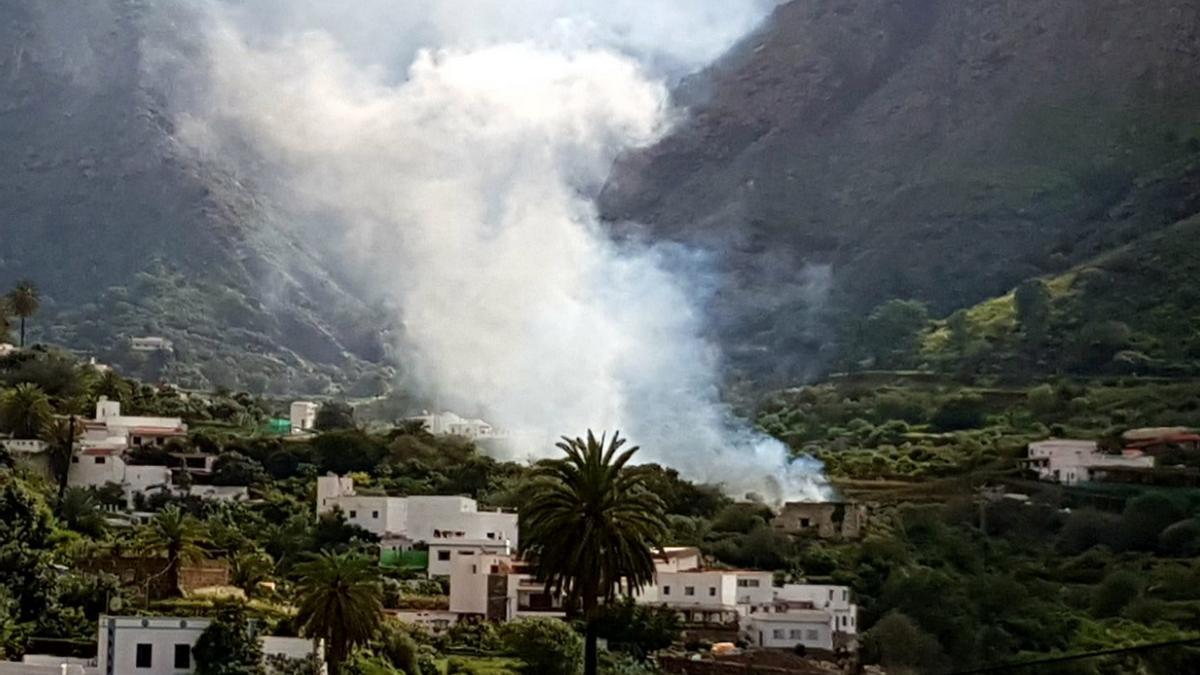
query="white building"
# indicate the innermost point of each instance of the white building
(837, 600)
(1076, 461)
(6, 349)
(159, 645)
(499, 588)
(133, 430)
(450, 424)
(96, 467)
(151, 344)
(432, 520)
(23, 446)
(303, 415)
(436, 621)
(784, 630)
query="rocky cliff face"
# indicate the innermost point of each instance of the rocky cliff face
(932, 149)
(127, 234)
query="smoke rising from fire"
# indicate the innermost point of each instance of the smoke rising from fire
(453, 170)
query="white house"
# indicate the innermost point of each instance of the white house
(96, 467)
(498, 588)
(303, 416)
(812, 628)
(160, 645)
(1069, 461)
(134, 430)
(23, 446)
(432, 520)
(837, 600)
(151, 344)
(450, 424)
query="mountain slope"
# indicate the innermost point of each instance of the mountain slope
(941, 150)
(127, 234)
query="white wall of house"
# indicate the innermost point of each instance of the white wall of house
(95, 469)
(443, 553)
(754, 587)
(469, 582)
(837, 600)
(677, 559)
(1069, 461)
(128, 643)
(811, 628)
(435, 621)
(715, 589)
(23, 445)
(303, 416)
(45, 664)
(425, 519)
(220, 493)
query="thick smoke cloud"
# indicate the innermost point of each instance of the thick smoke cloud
(458, 189)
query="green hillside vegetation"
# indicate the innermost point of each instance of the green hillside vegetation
(1133, 311)
(1016, 580)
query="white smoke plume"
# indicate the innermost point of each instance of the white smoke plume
(458, 188)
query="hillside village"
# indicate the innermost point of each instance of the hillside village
(449, 548)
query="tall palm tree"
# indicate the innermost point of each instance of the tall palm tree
(341, 600)
(25, 302)
(175, 534)
(24, 410)
(113, 386)
(61, 436)
(591, 527)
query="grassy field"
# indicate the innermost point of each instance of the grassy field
(480, 665)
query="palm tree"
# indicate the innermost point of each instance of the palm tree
(61, 435)
(112, 386)
(175, 534)
(78, 510)
(25, 302)
(5, 319)
(341, 600)
(591, 527)
(24, 410)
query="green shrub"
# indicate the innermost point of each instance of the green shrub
(548, 646)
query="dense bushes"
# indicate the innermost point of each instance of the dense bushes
(547, 646)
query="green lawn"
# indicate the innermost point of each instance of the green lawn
(483, 665)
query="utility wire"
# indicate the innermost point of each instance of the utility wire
(1076, 657)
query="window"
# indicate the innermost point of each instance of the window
(491, 535)
(748, 583)
(831, 595)
(74, 460)
(811, 634)
(689, 590)
(374, 514)
(443, 555)
(795, 634)
(353, 513)
(100, 460)
(666, 590)
(465, 552)
(142, 658)
(183, 656)
(777, 634)
(712, 590)
(804, 522)
(137, 440)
